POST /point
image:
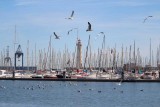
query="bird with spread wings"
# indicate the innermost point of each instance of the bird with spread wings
(56, 36)
(71, 17)
(89, 27)
(146, 18)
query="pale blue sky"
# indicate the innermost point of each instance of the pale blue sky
(120, 20)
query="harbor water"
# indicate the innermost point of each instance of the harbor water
(78, 94)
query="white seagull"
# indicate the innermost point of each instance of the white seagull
(56, 36)
(71, 17)
(146, 18)
(89, 27)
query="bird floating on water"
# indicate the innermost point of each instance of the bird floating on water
(79, 91)
(89, 27)
(71, 17)
(141, 90)
(146, 18)
(99, 91)
(121, 91)
(90, 89)
(56, 36)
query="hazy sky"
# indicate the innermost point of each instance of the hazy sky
(120, 20)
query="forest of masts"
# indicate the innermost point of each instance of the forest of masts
(104, 57)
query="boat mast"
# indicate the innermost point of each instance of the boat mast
(28, 54)
(130, 59)
(126, 54)
(122, 57)
(150, 53)
(90, 56)
(50, 59)
(85, 60)
(152, 59)
(32, 59)
(35, 58)
(74, 55)
(15, 42)
(134, 55)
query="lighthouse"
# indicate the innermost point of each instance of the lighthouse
(79, 54)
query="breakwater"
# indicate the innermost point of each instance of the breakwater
(79, 80)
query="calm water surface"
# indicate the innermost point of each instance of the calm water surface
(78, 94)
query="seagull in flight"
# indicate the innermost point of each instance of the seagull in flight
(89, 27)
(100, 33)
(56, 36)
(71, 17)
(69, 31)
(146, 18)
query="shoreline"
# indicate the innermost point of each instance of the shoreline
(78, 80)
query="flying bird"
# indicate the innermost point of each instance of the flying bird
(146, 18)
(69, 31)
(56, 36)
(100, 33)
(89, 27)
(71, 17)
